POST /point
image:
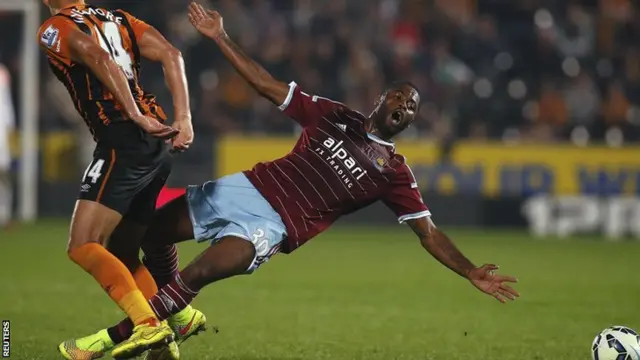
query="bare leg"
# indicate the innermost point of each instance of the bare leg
(91, 225)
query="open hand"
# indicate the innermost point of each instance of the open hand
(207, 22)
(154, 127)
(492, 284)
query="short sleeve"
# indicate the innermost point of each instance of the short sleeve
(139, 27)
(53, 38)
(307, 109)
(404, 197)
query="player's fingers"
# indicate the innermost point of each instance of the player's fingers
(201, 11)
(194, 20)
(499, 297)
(167, 133)
(177, 143)
(490, 267)
(507, 278)
(194, 9)
(506, 294)
(509, 290)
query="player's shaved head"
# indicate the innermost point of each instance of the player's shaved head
(399, 85)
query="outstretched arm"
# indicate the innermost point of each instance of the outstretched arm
(85, 50)
(443, 249)
(440, 246)
(155, 47)
(210, 24)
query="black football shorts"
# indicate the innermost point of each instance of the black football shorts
(126, 183)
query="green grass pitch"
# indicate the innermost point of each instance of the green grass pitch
(350, 294)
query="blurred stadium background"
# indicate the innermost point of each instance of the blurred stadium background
(529, 132)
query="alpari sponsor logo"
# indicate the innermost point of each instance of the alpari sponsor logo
(78, 15)
(345, 166)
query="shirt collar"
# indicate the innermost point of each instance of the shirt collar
(380, 141)
(75, 4)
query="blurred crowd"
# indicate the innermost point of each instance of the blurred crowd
(512, 70)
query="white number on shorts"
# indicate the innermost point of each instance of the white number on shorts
(261, 244)
(94, 172)
(120, 55)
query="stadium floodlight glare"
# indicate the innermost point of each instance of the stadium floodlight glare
(29, 88)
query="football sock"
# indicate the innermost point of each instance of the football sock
(162, 262)
(147, 286)
(116, 280)
(172, 298)
(145, 281)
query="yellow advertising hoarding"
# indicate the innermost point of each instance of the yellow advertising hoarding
(492, 169)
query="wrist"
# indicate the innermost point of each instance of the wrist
(133, 115)
(466, 273)
(220, 36)
(182, 119)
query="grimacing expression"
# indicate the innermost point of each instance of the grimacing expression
(398, 110)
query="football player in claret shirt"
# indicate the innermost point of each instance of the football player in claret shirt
(96, 53)
(342, 162)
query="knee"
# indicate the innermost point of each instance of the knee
(76, 250)
(84, 234)
(76, 242)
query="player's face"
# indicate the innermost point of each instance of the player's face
(398, 110)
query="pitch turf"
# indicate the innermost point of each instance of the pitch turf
(351, 294)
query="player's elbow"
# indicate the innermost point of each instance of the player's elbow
(429, 236)
(171, 55)
(271, 89)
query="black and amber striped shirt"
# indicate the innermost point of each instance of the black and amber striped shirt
(118, 33)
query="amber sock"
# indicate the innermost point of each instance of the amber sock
(145, 281)
(116, 280)
(147, 286)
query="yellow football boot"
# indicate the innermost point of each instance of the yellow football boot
(166, 352)
(86, 348)
(188, 322)
(144, 337)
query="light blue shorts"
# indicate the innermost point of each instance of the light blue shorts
(232, 206)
